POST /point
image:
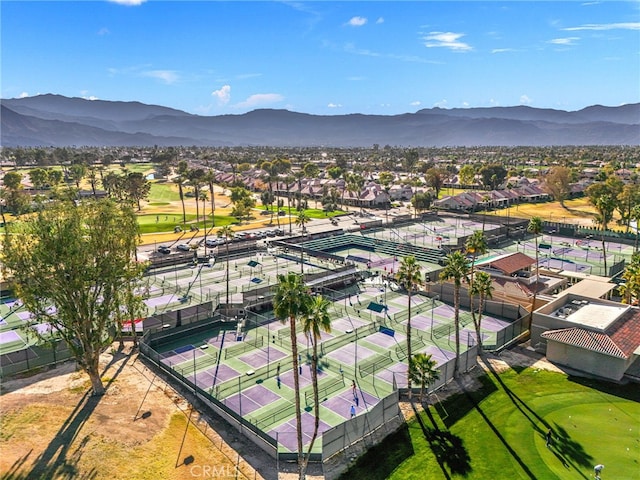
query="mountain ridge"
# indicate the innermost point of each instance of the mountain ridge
(56, 120)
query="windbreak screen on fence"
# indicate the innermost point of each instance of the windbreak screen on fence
(340, 437)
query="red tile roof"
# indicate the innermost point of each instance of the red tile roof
(512, 263)
(585, 339)
(620, 340)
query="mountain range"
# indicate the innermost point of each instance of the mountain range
(58, 121)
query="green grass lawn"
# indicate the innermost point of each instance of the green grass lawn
(163, 192)
(498, 432)
(311, 212)
(152, 223)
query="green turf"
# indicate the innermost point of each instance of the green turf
(497, 432)
(163, 192)
(152, 223)
(311, 212)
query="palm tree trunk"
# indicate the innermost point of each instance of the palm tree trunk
(535, 290)
(184, 212)
(316, 400)
(604, 252)
(227, 247)
(197, 193)
(289, 207)
(296, 388)
(456, 321)
(478, 323)
(409, 345)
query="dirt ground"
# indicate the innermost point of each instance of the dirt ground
(137, 409)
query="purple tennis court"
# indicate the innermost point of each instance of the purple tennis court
(226, 336)
(422, 322)
(446, 311)
(257, 358)
(251, 399)
(214, 375)
(11, 336)
(493, 324)
(24, 315)
(384, 340)
(564, 265)
(347, 354)
(346, 325)
(286, 378)
(181, 354)
(341, 402)
(286, 433)
(397, 371)
(439, 354)
(163, 300)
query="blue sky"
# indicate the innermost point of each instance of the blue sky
(328, 57)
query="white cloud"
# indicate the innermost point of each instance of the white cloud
(23, 95)
(417, 103)
(525, 100)
(351, 48)
(442, 104)
(564, 41)
(606, 26)
(223, 94)
(502, 50)
(129, 3)
(260, 99)
(446, 40)
(380, 20)
(245, 76)
(357, 21)
(167, 76)
(104, 31)
(334, 105)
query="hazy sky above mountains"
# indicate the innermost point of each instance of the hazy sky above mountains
(373, 57)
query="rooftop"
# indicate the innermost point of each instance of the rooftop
(596, 315)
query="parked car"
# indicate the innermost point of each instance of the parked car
(211, 242)
(183, 247)
(271, 233)
(164, 249)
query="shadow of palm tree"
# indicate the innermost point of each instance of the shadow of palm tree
(381, 460)
(57, 461)
(567, 450)
(449, 449)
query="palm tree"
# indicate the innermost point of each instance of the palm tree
(635, 215)
(476, 245)
(605, 205)
(301, 220)
(204, 197)
(226, 232)
(422, 369)
(456, 269)
(291, 301)
(317, 320)
(210, 178)
(178, 181)
(409, 278)
(482, 286)
(288, 179)
(535, 227)
(630, 289)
